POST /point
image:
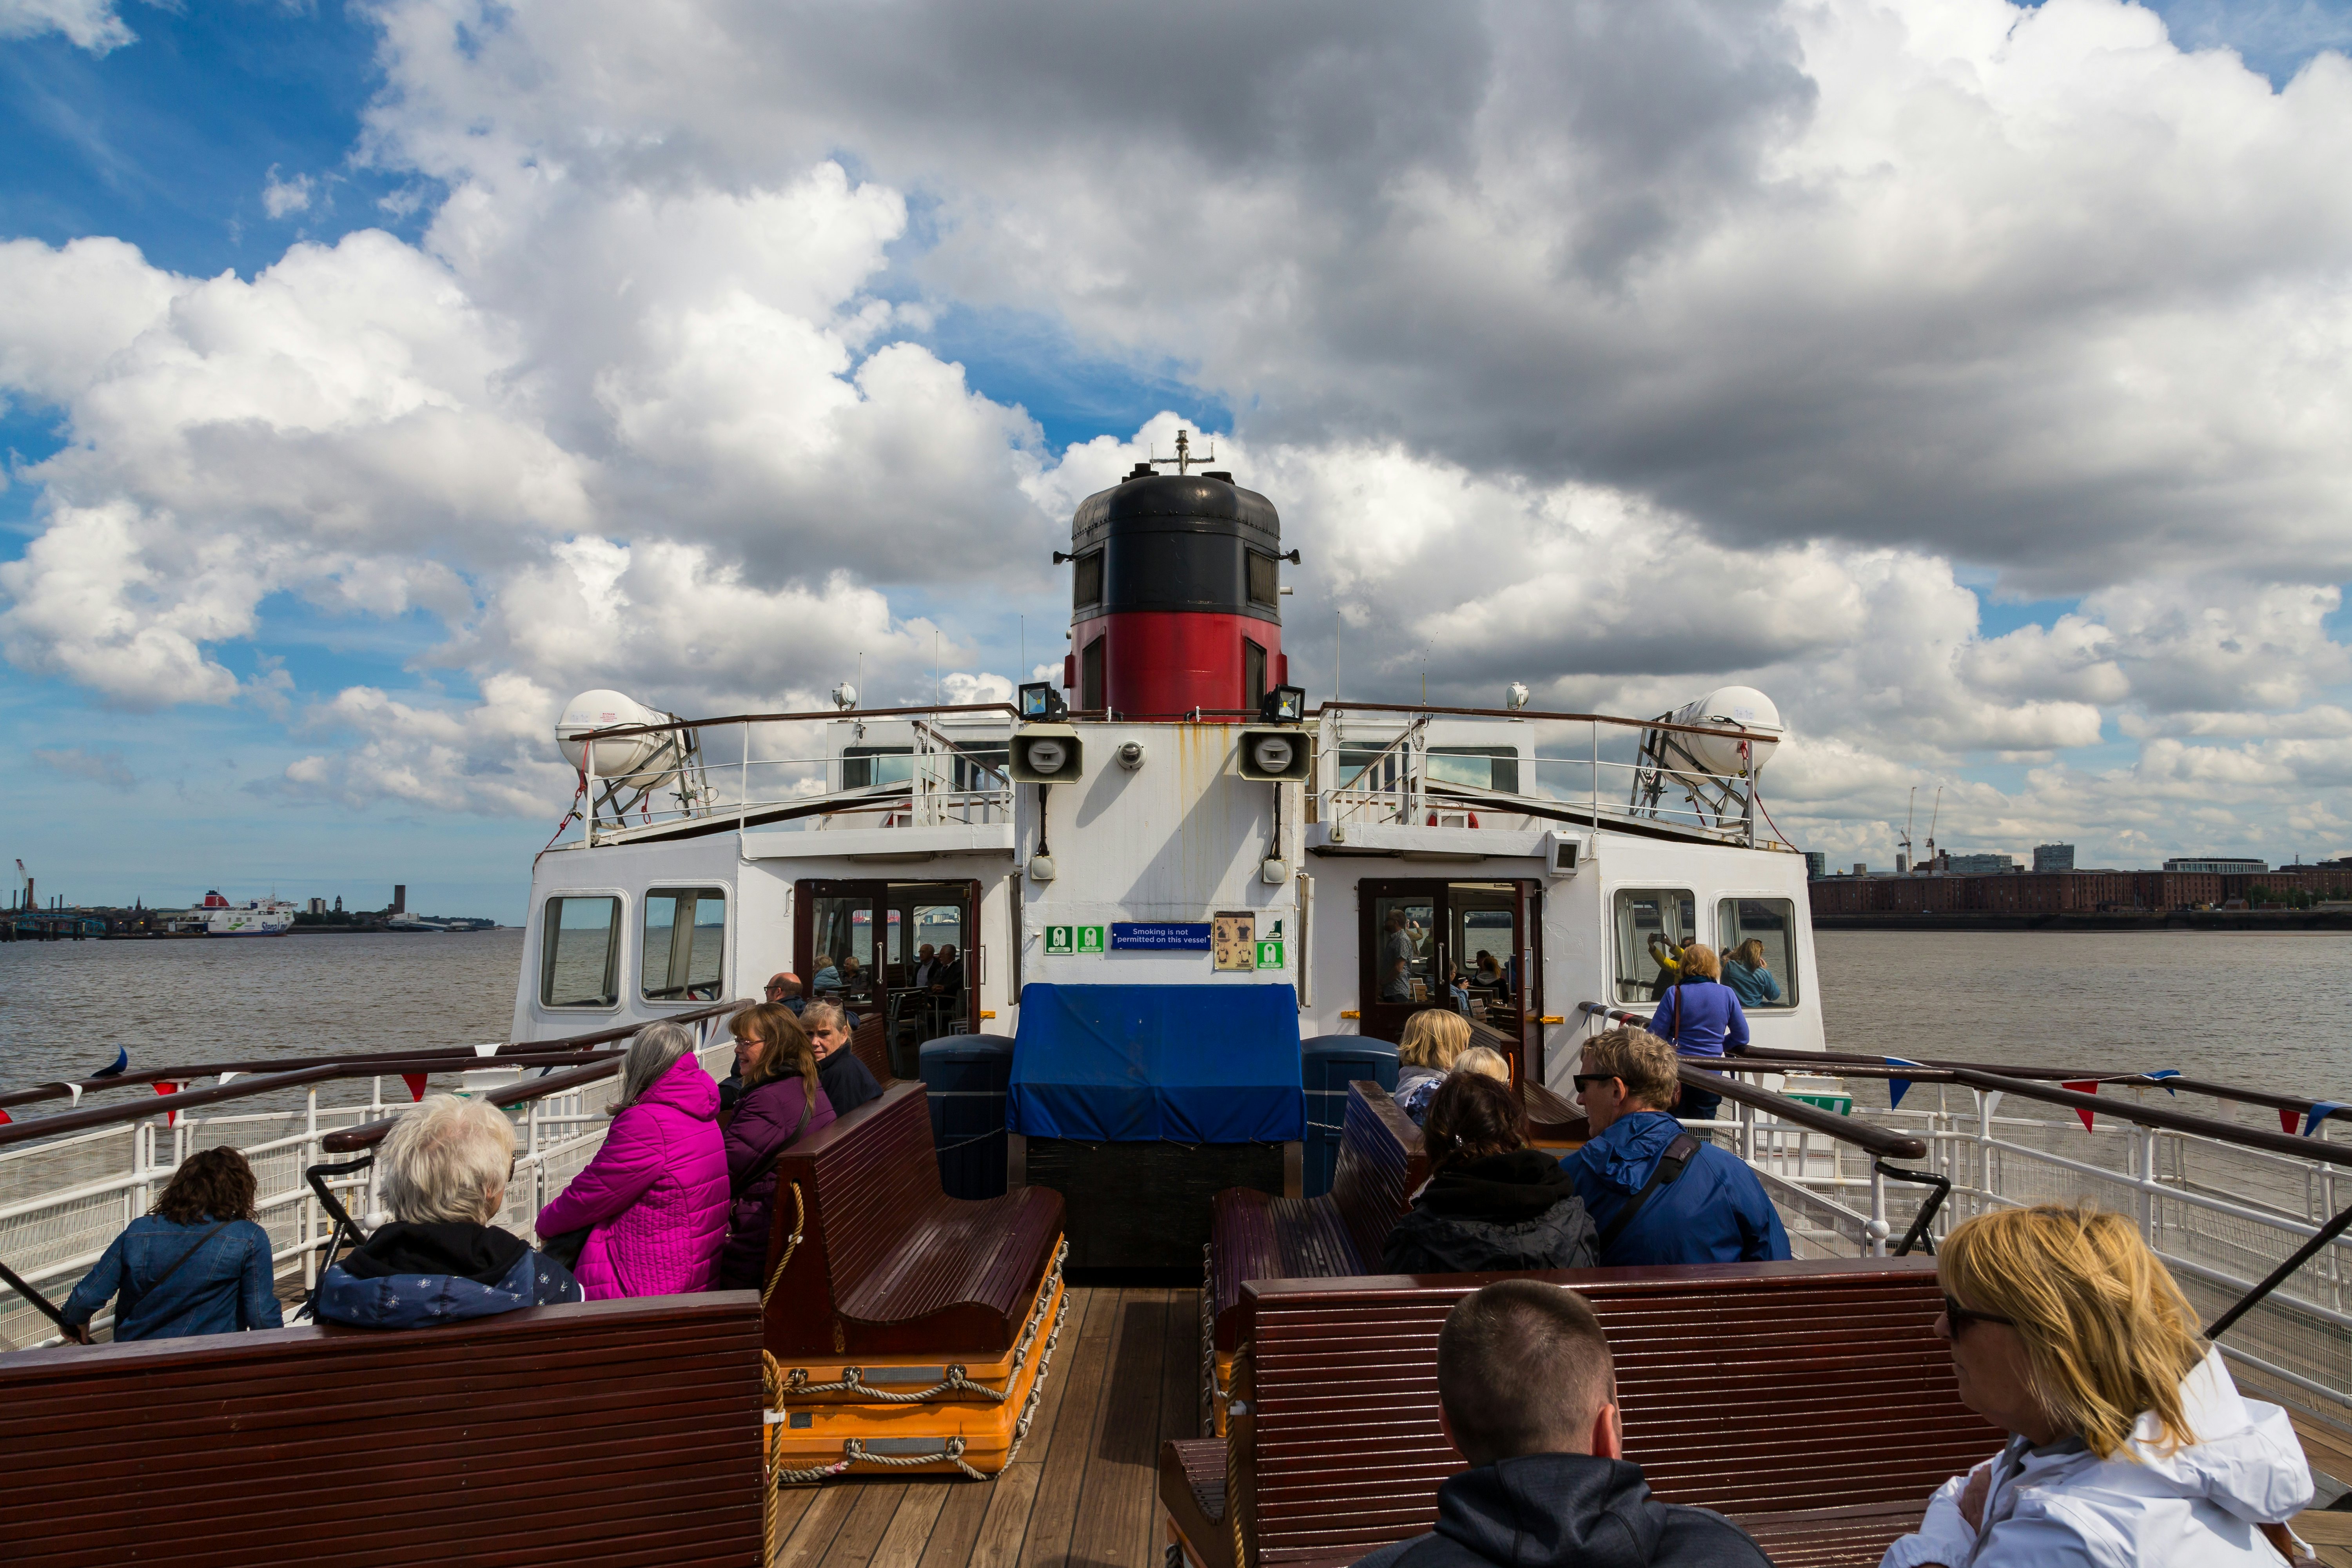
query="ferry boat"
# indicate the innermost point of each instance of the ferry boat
(1189, 914)
(254, 917)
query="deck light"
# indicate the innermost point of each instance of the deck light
(1040, 702)
(1282, 705)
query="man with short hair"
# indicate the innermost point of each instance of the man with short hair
(1526, 1393)
(1658, 1193)
(784, 990)
(1398, 951)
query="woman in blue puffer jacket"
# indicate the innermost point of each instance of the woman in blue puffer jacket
(1700, 1016)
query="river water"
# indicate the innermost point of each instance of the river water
(2259, 1008)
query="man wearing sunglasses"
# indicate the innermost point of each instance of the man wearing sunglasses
(784, 990)
(1656, 1192)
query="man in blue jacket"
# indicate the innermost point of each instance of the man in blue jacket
(1705, 1206)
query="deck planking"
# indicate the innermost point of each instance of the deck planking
(1082, 1492)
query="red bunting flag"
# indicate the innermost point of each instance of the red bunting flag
(2289, 1120)
(171, 1117)
(5, 1119)
(2083, 1086)
(415, 1082)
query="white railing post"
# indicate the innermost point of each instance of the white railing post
(1876, 1247)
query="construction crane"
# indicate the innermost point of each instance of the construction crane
(1903, 861)
(27, 877)
(1932, 816)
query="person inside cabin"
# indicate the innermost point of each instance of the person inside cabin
(1659, 1194)
(652, 1198)
(827, 981)
(847, 1082)
(1481, 1059)
(948, 984)
(783, 1101)
(1491, 1202)
(1745, 970)
(1488, 977)
(1527, 1394)
(1435, 1038)
(196, 1263)
(443, 1171)
(853, 976)
(2128, 1439)
(925, 960)
(1457, 989)
(1398, 951)
(1699, 1017)
(783, 989)
(1668, 955)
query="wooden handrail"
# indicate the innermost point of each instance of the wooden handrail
(368, 1134)
(1697, 1073)
(436, 1059)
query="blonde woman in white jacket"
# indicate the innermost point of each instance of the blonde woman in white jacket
(2130, 1445)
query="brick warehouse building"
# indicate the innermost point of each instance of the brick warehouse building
(2061, 892)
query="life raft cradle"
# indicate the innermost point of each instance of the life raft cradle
(828, 1419)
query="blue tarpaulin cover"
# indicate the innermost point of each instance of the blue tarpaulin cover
(1127, 1064)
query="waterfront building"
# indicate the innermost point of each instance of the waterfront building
(1817, 864)
(2216, 866)
(1978, 865)
(2053, 857)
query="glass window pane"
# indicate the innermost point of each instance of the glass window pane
(1265, 580)
(1771, 964)
(685, 944)
(1652, 924)
(1480, 767)
(1404, 966)
(580, 952)
(1085, 582)
(842, 927)
(863, 767)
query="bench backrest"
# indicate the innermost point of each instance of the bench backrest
(1747, 1388)
(610, 1433)
(868, 1044)
(1380, 1166)
(864, 1181)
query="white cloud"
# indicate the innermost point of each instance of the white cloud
(90, 25)
(279, 198)
(1624, 351)
(106, 768)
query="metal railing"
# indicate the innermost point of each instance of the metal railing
(1379, 763)
(2224, 1204)
(704, 774)
(70, 1182)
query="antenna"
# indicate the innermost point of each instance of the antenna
(1183, 460)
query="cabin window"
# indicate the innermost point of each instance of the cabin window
(863, 767)
(580, 950)
(1773, 924)
(683, 955)
(1384, 763)
(1085, 581)
(1090, 677)
(982, 767)
(1253, 676)
(1477, 767)
(1652, 924)
(1265, 582)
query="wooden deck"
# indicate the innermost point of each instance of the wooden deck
(1082, 1489)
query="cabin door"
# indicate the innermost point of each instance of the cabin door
(863, 944)
(1414, 935)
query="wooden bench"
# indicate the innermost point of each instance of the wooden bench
(868, 1044)
(1812, 1401)
(612, 1432)
(1255, 1236)
(887, 1263)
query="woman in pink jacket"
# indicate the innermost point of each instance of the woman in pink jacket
(654, 1196)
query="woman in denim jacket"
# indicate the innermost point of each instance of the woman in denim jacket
(195, 1264)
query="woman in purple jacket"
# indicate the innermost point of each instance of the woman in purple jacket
(654, 1198)
(1700, 1016)
(783, 1103)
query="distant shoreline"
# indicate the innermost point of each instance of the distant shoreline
(2104, 920)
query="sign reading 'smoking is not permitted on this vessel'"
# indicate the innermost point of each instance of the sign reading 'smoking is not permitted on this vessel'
(1147, 936)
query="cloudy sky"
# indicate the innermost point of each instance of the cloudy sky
(1971, 378)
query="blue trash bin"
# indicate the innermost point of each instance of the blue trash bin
(965, 1076)
(1328, 1064)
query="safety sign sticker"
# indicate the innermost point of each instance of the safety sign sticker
(1064, 941)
